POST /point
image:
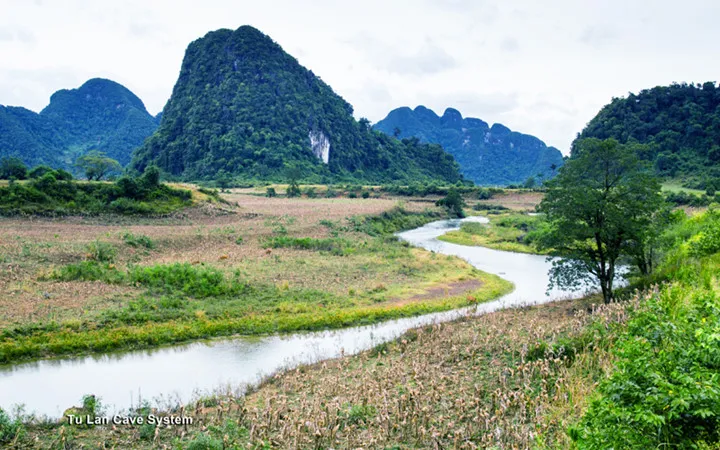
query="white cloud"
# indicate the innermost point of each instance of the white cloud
(543, 68)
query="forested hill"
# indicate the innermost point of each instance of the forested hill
(242, 107)
(487, 155)
(99, 115)
(680, 125)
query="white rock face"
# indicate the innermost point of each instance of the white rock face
(320, 145)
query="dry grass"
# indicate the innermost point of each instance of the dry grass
(515, 200)
(474, 383)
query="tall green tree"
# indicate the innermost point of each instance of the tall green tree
(600, 206)
(96, 165)
(12, 168)
(453, 203)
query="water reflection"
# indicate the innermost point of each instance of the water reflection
(176, 373)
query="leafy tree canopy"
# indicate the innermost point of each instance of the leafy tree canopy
(600, 207)
(96, 165)
(12, 168)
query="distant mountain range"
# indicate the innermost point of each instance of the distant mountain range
(678, 127)
(243, 107)
(487, 155)
(99, 115)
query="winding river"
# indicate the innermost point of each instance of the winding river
(171, 375)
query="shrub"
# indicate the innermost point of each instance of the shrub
(151, 177)
(12, 168)
(9, 429)
(38, 171)
(139, 240)
(88, 271)
(453, 203)
(270, 192)
(665, 392)
(310, 192)
(102, 251)
(205, 442)
(199, 282)
(365, 194)
(335, 246)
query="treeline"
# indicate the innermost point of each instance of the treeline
(53, 192)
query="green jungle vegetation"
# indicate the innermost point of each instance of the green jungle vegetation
(50, 192)
(676, 128)
(243, 108)
(486, 155)
(99, 115)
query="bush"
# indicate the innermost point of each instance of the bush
(335, 246)
(38, 171)
(198, 282)
(707, 241)
(665, 392)
(270, 192)
(12, 168)
(205, 442)
(9, 429)
(88, 271)
(310, 192)
(453, 203)
(102, 251)
(139, 240)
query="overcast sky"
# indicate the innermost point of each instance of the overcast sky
(543, 68)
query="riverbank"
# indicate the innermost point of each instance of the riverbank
(76, 286)
(507, 231)
(634, 374)
(445, 385)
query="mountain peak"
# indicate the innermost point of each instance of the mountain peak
(244, 106)
(488, 156)
(452, 118)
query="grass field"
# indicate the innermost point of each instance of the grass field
(510, 232)
(676, 186)
(252, 265)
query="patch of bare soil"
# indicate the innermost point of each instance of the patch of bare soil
(448, 290)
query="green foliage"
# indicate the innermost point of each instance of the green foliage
(335, 246)
(271, 192)
(599, 208)
(12, 168)
(138, 240)
(243, 106)
(205, 442)
(199, 282)
(89, 271)
(96, 165)
(10, 429)
(665, 391)
(54, 194)
(679, 126)
(453, 203)
(102, 251)
(707, 240)
(392, 221)
(486, 155)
